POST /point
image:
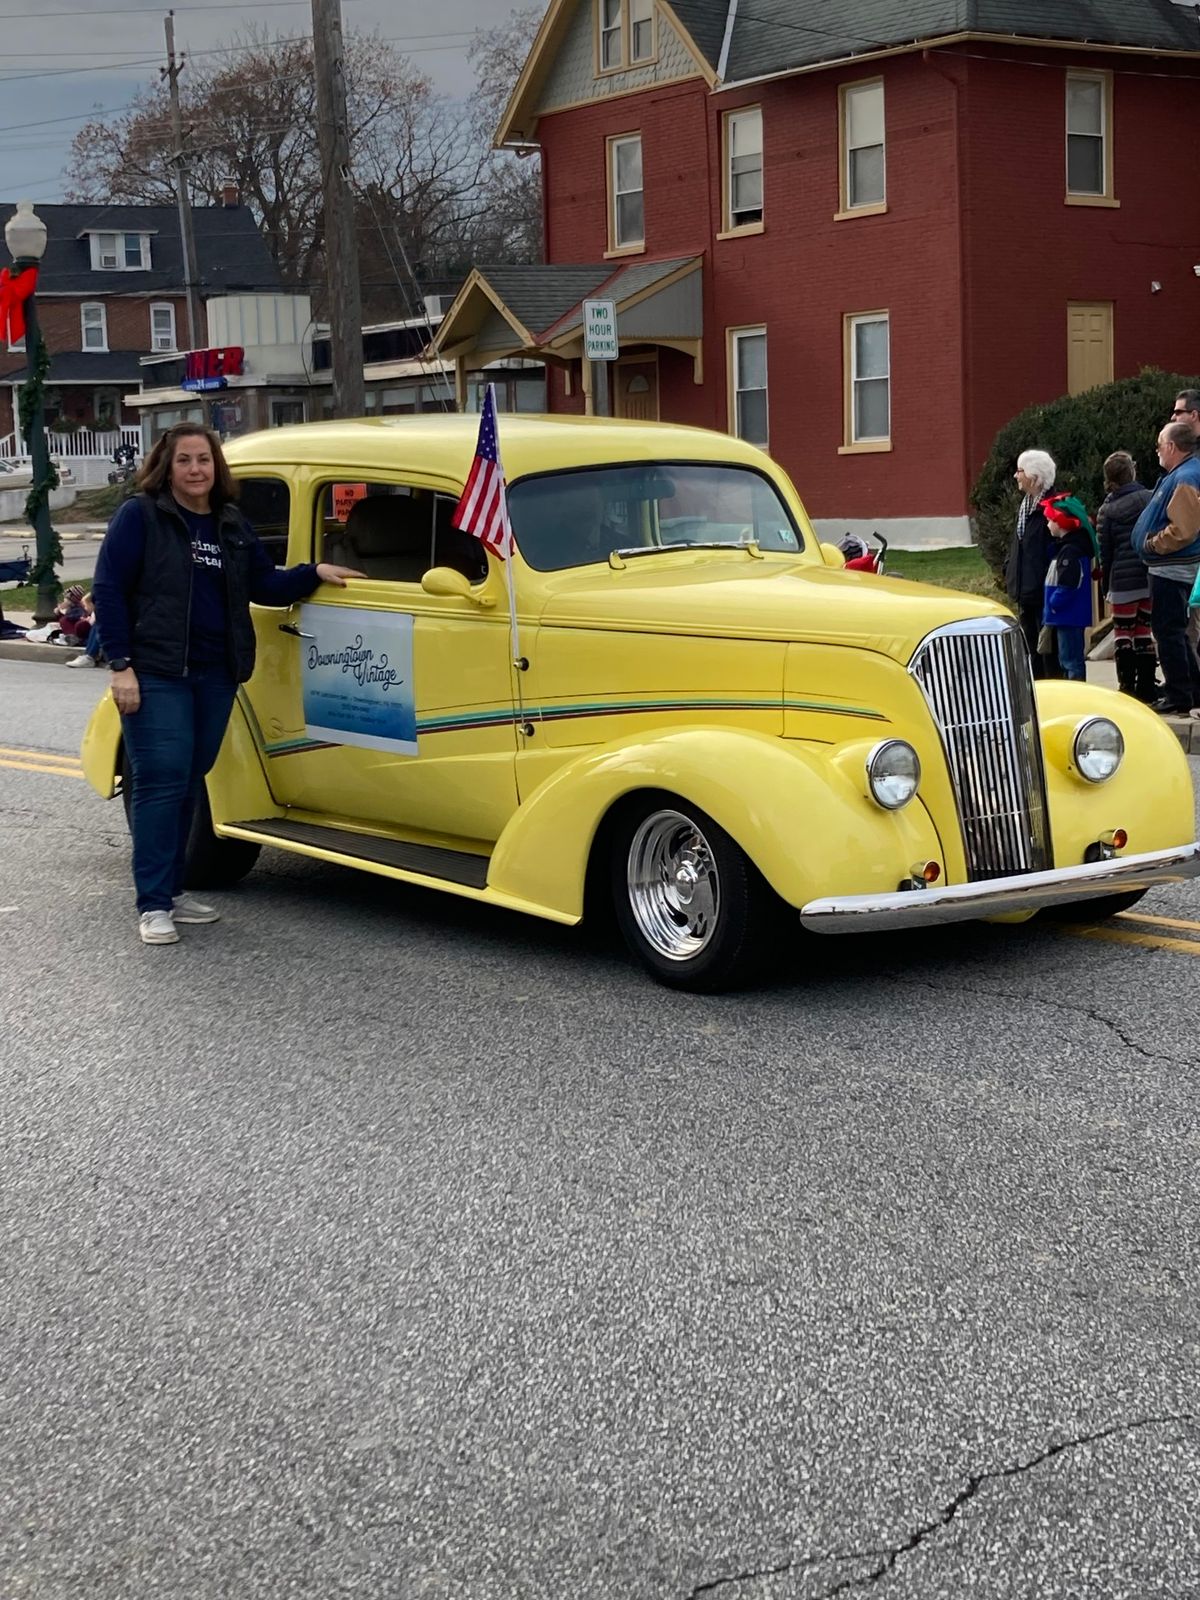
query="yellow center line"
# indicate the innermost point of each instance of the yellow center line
(1160, 922)
(1148, 941)
(38, 755)
(38, 766)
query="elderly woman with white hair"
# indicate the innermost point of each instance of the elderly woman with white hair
(1030, 554)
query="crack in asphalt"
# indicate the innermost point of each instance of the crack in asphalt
(888, 1556)
(1090, 1012)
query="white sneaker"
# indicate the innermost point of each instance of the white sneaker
(84, 661)
(185, 909)
(157, 927)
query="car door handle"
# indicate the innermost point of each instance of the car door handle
(290, 627)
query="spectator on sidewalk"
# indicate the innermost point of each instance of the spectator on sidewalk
(1187, 409)
(1167, 537)
(1068, 600)
(1126, 580)
(1029, 554)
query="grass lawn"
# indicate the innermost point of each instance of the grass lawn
(948, 569)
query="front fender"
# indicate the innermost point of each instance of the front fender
(1151, 794)
(797, 815)
(100, 751)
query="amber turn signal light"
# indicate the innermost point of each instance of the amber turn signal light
(926, 872)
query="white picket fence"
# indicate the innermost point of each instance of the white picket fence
(81, 444)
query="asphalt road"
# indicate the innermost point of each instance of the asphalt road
(79, 555)
(369, 1243)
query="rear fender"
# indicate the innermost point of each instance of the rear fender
(798, 816)
(101, 748)
(237, 784)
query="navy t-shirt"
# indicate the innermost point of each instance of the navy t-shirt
(207, 629)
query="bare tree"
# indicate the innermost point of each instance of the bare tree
(255, 121)
(510, 215)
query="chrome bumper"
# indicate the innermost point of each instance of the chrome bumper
(997, 897)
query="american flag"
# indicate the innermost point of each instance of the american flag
(483, 509)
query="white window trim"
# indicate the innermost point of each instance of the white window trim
(735, 337)
(1087, 197)
(624, 31)
(85, 307)
(729, 228)
(871, 208)
(634, 246)
(853, 445)
(162, 305)
(120, 235)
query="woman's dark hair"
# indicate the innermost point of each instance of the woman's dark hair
(1119, 469)
(154, 474)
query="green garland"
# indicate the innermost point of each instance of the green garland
(33, 391)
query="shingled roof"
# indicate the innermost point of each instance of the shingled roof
(782, 35)
(231, 253)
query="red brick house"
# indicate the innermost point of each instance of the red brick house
(111, 290)
(863, 235)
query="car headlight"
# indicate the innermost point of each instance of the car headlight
(893, 773)
(1098, 749)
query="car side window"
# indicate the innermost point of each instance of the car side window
(393, 533)
(266, 504)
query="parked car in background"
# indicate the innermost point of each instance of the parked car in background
(705, 723)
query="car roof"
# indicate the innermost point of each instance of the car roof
(442, 444)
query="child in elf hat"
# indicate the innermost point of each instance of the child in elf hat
(1068, 606)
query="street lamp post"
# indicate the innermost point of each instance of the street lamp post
(25, 236)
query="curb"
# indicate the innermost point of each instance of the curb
(22, 650)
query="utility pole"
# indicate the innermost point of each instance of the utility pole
(341, 242)
(179, 161)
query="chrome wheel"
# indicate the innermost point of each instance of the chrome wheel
(673, 884)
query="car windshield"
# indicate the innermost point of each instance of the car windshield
(571, 519)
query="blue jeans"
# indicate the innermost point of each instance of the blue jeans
(1169, 620)
(172, 739)
(1070, 653)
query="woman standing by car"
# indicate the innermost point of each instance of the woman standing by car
(176, 576)
(1029, 554)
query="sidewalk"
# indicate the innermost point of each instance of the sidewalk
(71, 533)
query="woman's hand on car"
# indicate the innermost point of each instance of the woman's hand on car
(126, 691)
(328, 573)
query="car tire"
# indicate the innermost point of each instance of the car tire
(212, 862)
(1109, 905)
(689, 902)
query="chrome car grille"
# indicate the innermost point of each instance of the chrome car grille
(976, 678)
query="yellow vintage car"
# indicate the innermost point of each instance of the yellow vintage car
(703, 722)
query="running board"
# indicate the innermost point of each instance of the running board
(423, 860)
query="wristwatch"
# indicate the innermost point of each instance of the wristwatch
(118, 663)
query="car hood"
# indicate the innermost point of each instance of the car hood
(742, 598)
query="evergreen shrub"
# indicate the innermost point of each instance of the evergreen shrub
(1079, 431)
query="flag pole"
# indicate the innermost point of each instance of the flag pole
(514, 638)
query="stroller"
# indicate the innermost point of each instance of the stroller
(859, 555)
(125, 457)
(13, 572)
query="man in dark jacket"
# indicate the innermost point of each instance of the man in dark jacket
(1029, 554)
(1167, 537)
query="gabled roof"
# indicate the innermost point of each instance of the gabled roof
(231, 253)
(747, 39)
(780, 35)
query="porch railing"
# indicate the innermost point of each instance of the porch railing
(79, 444)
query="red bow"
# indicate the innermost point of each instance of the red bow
(15, 289)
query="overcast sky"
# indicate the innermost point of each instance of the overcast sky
(64, 60)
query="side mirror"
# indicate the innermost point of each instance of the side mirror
(450, 584)
(832, 556)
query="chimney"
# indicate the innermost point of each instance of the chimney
(230, 195)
